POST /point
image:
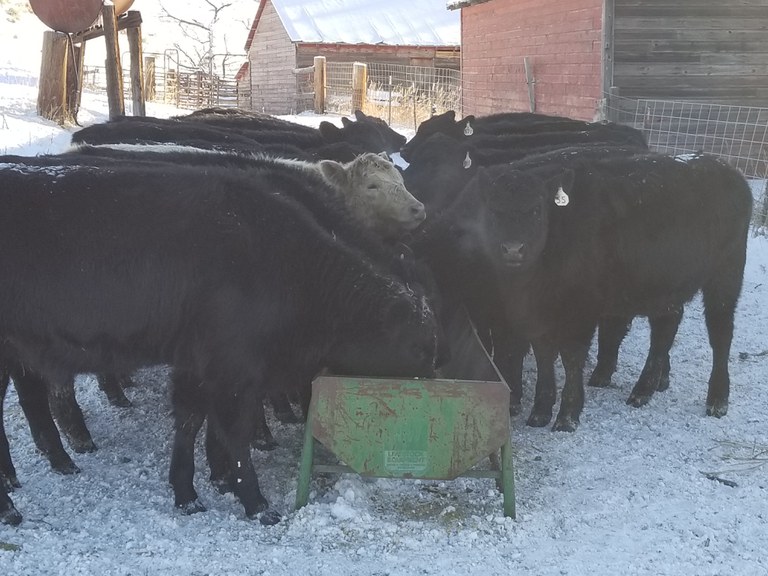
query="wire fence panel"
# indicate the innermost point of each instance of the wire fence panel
(739, 134)
(338, 87)
(402, 95)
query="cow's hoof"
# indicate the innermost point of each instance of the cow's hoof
(718, 410)
(537, 420)
(10, 517)
(193, 507)
(599, 381)
(287, 417)
(82, 445)
(269, 517)
(9, 482)
(638, 400)
(266, 445)
(663, 384)
(65, 468)
(120, 402)
(565, 424)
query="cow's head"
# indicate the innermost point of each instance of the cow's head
(517, 207)
(439, 170)
(444, 123)
(398, 338)
(365, 135)
(393, 140)
(373, 190)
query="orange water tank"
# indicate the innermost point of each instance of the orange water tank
(72, 15)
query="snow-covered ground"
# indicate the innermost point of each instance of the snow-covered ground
(626, 494)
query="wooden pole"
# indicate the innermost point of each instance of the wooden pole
(137, 72)
(531, 82)
(359, 83)
(76, 56)
(150, 88)
(319, 84)
(52, 92)
(113, 69)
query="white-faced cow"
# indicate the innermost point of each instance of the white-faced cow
(220, 273)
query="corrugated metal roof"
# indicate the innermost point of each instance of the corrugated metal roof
(392, 22)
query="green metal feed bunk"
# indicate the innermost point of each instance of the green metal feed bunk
(434, 429)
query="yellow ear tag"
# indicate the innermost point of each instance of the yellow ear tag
(561, 198)
(467, 162)
(468, 130)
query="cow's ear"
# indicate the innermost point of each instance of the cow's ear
(360, 115)
(450, 115)
(345, 122)
(333, 172)
(329, 131)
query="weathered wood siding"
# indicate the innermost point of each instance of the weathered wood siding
(272, 59)
(403, 55)
(563, 41)
(692, 50)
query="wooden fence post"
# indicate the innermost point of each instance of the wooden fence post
(359, 85)
(52, 93)
(150, 89)
(137, 74)
(112, 65)
(319, 84)
(75, 59)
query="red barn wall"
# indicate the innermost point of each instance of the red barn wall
(563, 41)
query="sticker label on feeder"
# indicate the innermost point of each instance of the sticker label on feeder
(403, 461)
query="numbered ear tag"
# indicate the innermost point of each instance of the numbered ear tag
(561, 198)
(468, 130)
(467, 162)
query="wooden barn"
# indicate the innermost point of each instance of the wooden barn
(564, 57)
(287, 34)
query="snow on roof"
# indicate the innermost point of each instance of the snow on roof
(395, 22)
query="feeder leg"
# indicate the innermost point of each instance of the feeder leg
(508, 479)
(305, 469)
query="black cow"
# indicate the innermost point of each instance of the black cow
(442, 166)
(617, 238)
(223, 275)
(506, 130)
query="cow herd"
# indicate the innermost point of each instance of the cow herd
(250, 253)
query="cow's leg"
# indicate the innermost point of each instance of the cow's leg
(218, 462)
(509, 351)
(720, 298)
(282, 408)
(33, 398)
(610, 333)
(67, 413)
(188, 414)
(8, 478)
(574, 349)
(545, 352)
(112, 385)
(8, 513)
(262, 435)
(231, 422)
(663, 330)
